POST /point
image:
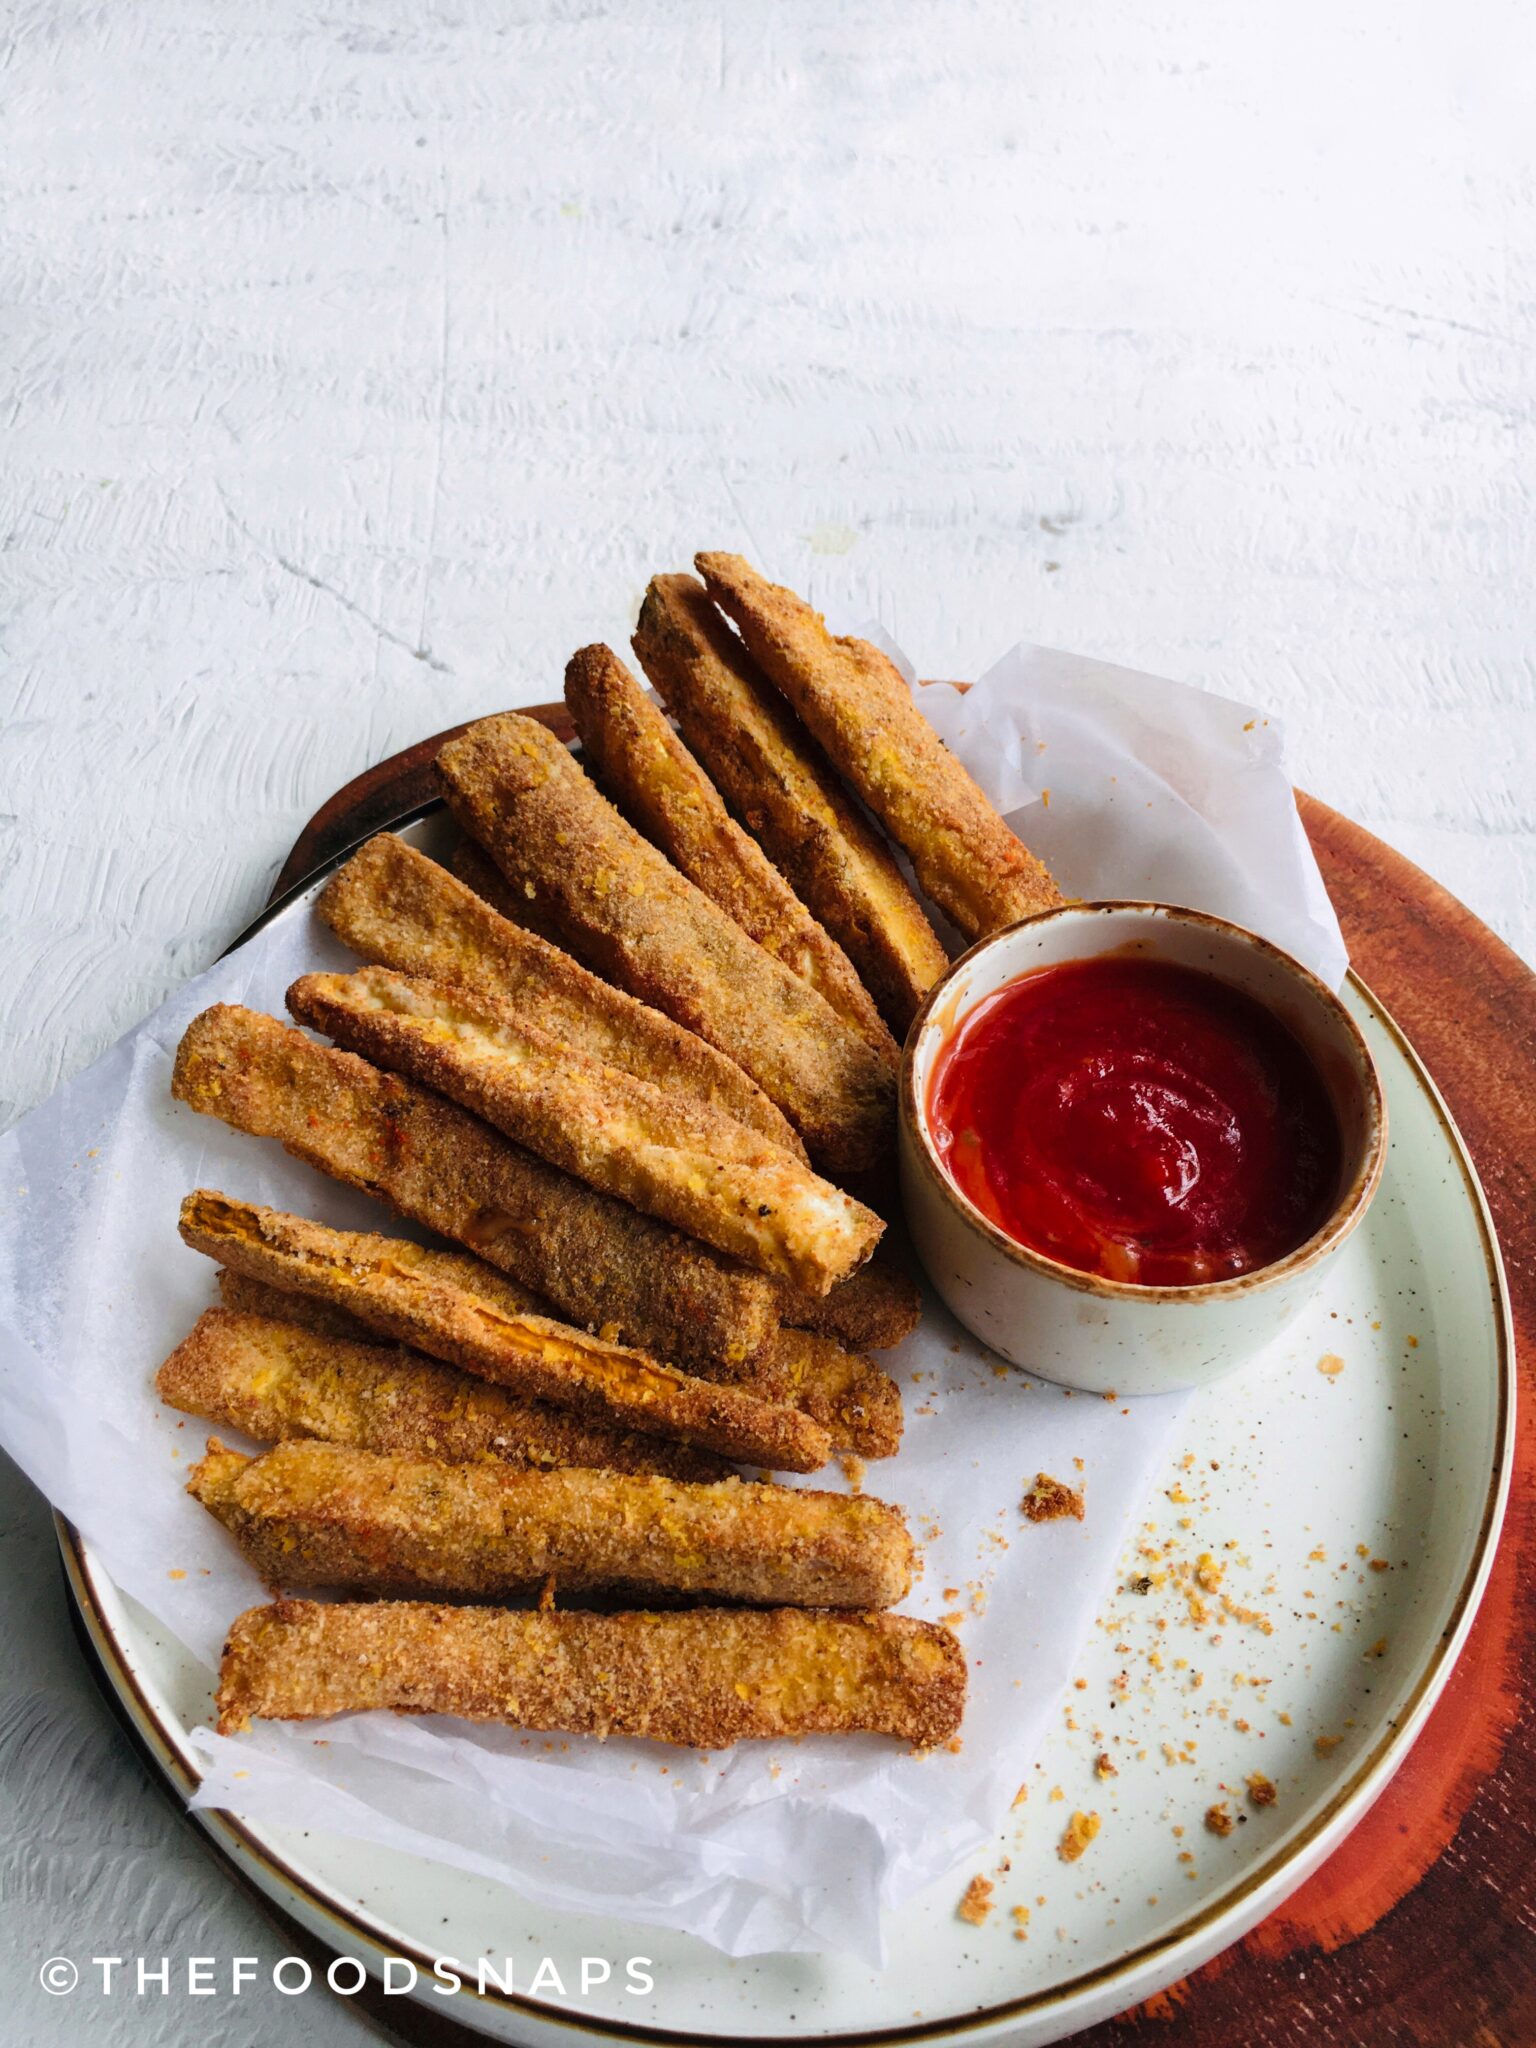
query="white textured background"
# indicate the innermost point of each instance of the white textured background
(360, 362)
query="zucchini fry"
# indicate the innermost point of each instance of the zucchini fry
(781, 787)
(702, 1172)
(701, 1679)
(860, 709)
(382, 1281)
(595, 1259)
(858, 1405)
(325, 1515)
(394, 906)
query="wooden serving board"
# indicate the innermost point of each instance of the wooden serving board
(1420, 1926)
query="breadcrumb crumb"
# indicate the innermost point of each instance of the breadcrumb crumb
(977, 1901)
(1078, 1833)
(1051, 1500)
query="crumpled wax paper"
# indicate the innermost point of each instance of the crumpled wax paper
(1155, 790)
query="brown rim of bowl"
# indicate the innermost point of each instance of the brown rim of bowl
(1346, 1213)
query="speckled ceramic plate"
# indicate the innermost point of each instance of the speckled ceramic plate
(1287, 1611)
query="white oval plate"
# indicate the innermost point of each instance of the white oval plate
(1365, 1499)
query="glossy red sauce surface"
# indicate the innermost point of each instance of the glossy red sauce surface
(1137, 1120)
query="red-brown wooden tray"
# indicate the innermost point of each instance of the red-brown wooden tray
(1421, 1927)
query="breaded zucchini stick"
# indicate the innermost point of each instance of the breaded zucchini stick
(626, 911)
(857, 704)
(275, 1379)
(595, 1259)
(701, 1679)
(326, 1515)
(717, 1179)
(644, 767)
(874, 1310)
(382, 1281)
(393, 905)
(782, 789)
(858, 1405)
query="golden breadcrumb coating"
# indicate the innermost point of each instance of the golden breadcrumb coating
(857, 1404)
(872, 1311)
(858, 705)
(701, 1679)
(644, 767)
(595, 1259)
(327, 1515)
(275, 1378)
(384, 1282)
(624, 910)
(393, 905)
(784, 791)
(690, 1166)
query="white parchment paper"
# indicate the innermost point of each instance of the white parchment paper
(1154, 790)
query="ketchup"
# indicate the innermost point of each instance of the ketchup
(1137, 1120)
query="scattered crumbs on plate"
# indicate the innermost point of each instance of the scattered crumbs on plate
(1080, 1830)
(853, 1471)
(1020, 1918)
(1103, 1766)
(976, 1902)
(176, 1572)
(1330, 1365)
(1020, 1796)
(1378, 1648)
(1050, 1500)
(1057, 1793)
(1261, 1790)
(1326, 1744)
(1218, 1820)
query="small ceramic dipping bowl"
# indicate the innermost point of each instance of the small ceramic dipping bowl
(1112, 1336)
